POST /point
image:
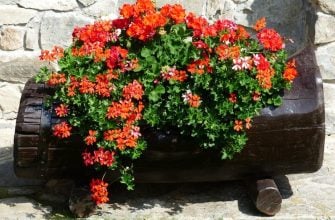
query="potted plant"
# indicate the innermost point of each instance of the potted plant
(157, 70)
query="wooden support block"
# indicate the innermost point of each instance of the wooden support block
(265, 195)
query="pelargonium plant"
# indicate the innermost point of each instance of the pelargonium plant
(162, 67)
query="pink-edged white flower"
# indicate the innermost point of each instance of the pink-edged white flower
(226, 24)
(135, 131)
(186, 96)
(115, 35)
(256, 59)
(237, 64)
(168, 72)
(241, 63)
(260, 62)
(246, 62)
(192, 99)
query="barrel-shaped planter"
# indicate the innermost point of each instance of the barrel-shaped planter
(284, 140)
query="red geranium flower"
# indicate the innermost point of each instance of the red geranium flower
(270, 39)
(62, 130)
(91, 138)
(290, 71)
(260, 24)
(62, 110)
(99, 192)
(238, 125)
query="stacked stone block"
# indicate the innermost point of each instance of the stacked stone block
(28, 26)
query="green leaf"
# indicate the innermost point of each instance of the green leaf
(277, 101)
(156, 94)
(145, 52)
(127, 178)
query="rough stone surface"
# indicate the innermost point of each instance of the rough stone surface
(329, 94)
(196, 6)
(19, 66)
(31, 40)
(284, 16)
(325, 56)
(6, 134)
(8, 2)
(11, 38)
(102, 8)
(60, 34)
(10, 99)
(58, 5)
(171, 2)
(324, 28)
(11, 14)
(327, 6)
(87, 2)
(121, 2)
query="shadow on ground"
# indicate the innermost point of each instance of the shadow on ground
(173, 198)
(8, 177)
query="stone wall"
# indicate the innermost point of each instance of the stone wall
(27, 26)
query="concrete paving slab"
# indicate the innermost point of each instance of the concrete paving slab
(22, 208)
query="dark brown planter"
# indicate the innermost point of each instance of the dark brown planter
(284, 140)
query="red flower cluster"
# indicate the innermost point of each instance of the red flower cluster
(192, 99)
(56, 78)
(91, 138)
(54, 54)
(270, 39)
(169, 73)
(198, 24)
(260, 24)
(238, 124)
(226, 52)
(116, 56)
(127, 137)
(232, 98)
(264, 71)
(290, 71)
(200, 66)
(122, 109)
(174, 12)
(102, 85)
(99, 192)
(86, 86)
(62, 110)
(103, 48)
(100, 31)
(133, 90)
(100, 156)
(264, 77)
(145, 20)
(62, 130)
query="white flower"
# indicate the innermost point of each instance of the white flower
(188, 40)
(241, 63)
(256, 59)
(118, 32)
(135, 131)
(237, 64)
(245, 62)
(186, 95)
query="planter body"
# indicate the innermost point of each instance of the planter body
(284, 140)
